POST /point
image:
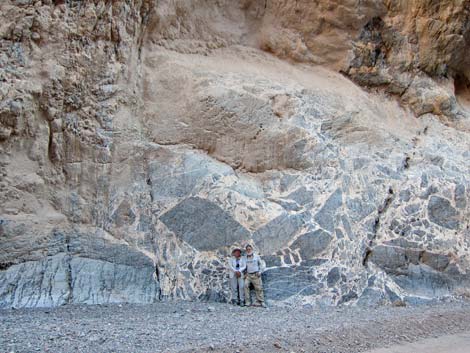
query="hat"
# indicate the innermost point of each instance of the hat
(236, 249)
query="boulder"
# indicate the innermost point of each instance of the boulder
(284, 282)
(312, 244)
(441, 212)
(204, 225)
(277, 233)
(326, 216)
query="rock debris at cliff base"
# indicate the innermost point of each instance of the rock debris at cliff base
(139, 140)
(202, 327)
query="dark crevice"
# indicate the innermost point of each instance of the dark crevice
(157, 276)
(67, 243)
(366, 256)
(462, 91)
(406, 163)
(149, 183)
(68, 272)
(50, 151)
(144, 20)
(69, 279)
(5, 265)
(376, 227)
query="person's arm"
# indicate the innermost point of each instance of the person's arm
(242, 265)
(230, 265)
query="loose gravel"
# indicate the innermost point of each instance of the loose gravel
(205, 327)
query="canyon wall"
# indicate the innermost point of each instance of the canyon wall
(141, 140)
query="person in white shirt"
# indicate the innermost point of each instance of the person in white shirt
(254, 268)
(237, 266)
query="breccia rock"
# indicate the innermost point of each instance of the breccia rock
(140, 141)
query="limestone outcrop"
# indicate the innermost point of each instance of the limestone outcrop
(140, 140)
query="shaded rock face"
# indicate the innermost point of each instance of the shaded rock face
(140, 140)
(414, 40)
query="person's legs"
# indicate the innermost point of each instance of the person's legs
(234, 286)
(247, 290)
(241, 288)
(258, 284)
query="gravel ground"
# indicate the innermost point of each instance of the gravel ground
(203, 327)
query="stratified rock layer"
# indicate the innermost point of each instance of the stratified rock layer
(141, 140)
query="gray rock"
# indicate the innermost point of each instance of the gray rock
(351, 295)
(388, 172)
(333, 276)
(302, 196)
(405, 195)
(312, 244)
(428, 192)
(284, 282)
(97, 247)
(438, 262)
(272, 261)
(392, 296)
(177, 175)
(394, 259)
(98, 282)
(36, 283)
(416, 271)
(441, 212)
(360, 163)
(339, 234)
(359, 209)
(402, 242)
(314, 262)
(425, 282)
(412, 209)
(459, 196)
(204, 225)
(288, 205)
(371, 297)
(277, 233)
(63, 279)
(123, 214)
(347, 227)
(325, 217)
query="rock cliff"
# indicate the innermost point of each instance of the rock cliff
(140, 139)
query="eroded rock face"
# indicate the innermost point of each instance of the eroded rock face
(140, 140)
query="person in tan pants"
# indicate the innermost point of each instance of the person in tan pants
(254, 268)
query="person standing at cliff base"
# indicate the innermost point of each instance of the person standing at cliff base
(254, 268)
(237, 266)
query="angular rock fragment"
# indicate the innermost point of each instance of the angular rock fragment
(312, 244)
(284, 282)
(277, 233)
(441, 212)
(325, 217)
(204, 225)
